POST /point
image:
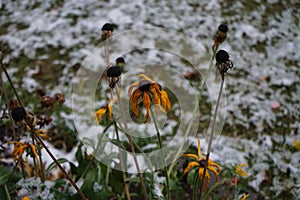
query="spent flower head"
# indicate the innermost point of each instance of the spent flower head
(113, 75)
(223, 63)
(107, 30)
(199, 161)
(220, 36)
(147, 91)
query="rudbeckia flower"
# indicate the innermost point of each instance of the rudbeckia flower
(149, 92)
(199, 161)
(105, 109)
(19, 149)
(220, 36)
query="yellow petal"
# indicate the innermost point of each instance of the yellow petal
(146, 77)
(147, 103)
(156, 98)
(134, 101)
(240, 171)
(165, 102)
(109, 107)
(133, 85)
(191, 165)
(245, 196)
(191, 155)
(99, 114)
(214, 171)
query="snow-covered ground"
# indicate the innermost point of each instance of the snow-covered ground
(263, 89)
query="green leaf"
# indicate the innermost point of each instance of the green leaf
(4, 175)
(88, 142)
(53, 165)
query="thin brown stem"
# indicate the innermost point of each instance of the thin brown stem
(11, 121)
(211, 135)
(60, 167)
(11, 83)
(127, 133)
(122, 163)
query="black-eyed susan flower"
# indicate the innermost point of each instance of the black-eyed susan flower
(105, 109)
(19, 149)
(147, 91)
(220, 36)
(200, 161)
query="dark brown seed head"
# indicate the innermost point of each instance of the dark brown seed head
(114, 71)
(18, 114)
(222, 56)
(223, 28)
(144, 85)
(107, 27)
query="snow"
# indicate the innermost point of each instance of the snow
(264, 49)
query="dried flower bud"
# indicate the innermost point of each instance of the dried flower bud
(223, 28)
(120, 61)
(13, 104)
(60, 98)
(107, 30)
(18, 114)
(47, 101)
(29, 119)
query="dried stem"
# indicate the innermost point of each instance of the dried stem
(211, 135)
(162, 153)
(11, 84)
(122, 163)
(11, 121)
(127, 133)
(60, 167)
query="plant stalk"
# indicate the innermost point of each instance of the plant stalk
(127, 133)
(60, 167)
(211, 135)
(162, 153)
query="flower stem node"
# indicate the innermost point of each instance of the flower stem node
(113, 75)
(18, 114)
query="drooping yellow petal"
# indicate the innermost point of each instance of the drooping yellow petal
(134, 98)
(191, 155)
(26, 198)
(211, 163)
(214, 171)
(33, 150)
(147, 103)
(165, 102)
(132, 86)
(109, 108)
(191, 165)
(146, 77)
(245, 196)
(239, 170)
(99, 114)
(42, 133)
(156, 98)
